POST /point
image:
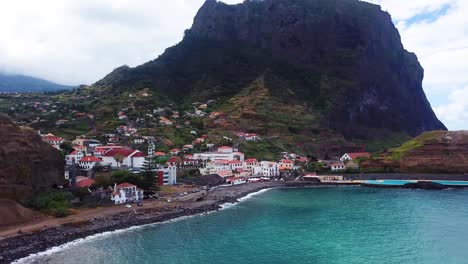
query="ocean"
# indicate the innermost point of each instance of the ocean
(295, 225)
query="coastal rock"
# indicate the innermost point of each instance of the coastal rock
(27, 164)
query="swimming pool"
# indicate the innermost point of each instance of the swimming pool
(388, 182)
(403, 182)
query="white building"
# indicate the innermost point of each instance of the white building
(267, 169)
(249, 164)
(133, 159)
(223, 153)
(337, 166)
(236, 165)
(167, 175)
(74, 157)
(126, 193)
(89, 162)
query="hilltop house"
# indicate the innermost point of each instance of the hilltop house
(129, 158)
(126, 193)
(53, 140)
(353, 156)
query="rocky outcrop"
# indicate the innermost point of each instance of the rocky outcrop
(351, 47)
(27, 164)
(433, 152)
(341, 60)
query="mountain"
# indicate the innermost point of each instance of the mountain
(21, 83)
(301, 70)
(27, 163)
(431, 152)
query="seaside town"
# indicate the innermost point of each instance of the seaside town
(90, 159)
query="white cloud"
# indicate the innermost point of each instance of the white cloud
(74, 42)
(456, 111)
(404, 9)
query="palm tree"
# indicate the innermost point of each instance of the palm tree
(119, 159)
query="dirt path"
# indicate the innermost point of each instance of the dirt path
(80, 215)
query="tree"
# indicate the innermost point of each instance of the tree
(122, 176)
(119, 159)
(66, 147)
(148, 175)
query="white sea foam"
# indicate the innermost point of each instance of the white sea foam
(36, 257)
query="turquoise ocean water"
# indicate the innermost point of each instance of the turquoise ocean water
(310, 225)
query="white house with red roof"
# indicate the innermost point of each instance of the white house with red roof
(130, 158)
(89, 162)
(223, 153)
(174, 151)
(126, 193)
(249, 164)
(74, 157)
(337, 166)
(221, 165)
(236, 165)
(53, 140)
(286, 164)
(225, 149)
(353, 156)
(98, 151)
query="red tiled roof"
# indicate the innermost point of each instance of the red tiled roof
(359, 154)
(159, 153)
(90, 159)
(221, 162)
(175, 150)
(251, 160)
(286, 161)
(139, 154)
(125, 185)
(123, 152)
(173, 160)
(235, 162)
(53, 138)
(224, 147)
(85, 183)
(337, 164)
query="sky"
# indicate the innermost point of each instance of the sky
(79, 41)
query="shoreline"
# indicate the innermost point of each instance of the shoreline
(21, 246)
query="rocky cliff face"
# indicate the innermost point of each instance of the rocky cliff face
(433, 152)
(341, 60)
(27, 163)
(351, 48)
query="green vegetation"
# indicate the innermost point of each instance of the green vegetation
(56, 203)
(417, 142)
(262, 150)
